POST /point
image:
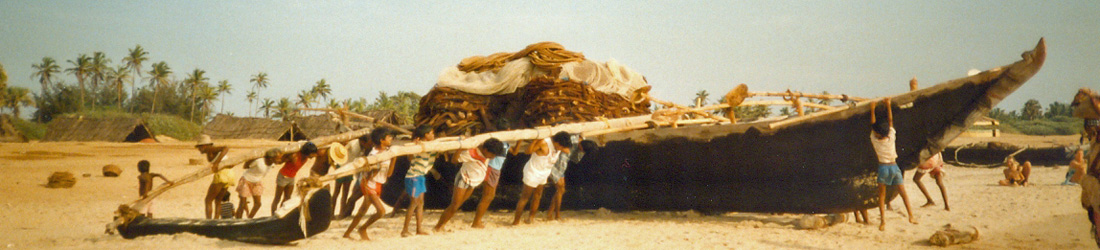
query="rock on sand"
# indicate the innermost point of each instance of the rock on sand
(61, 180)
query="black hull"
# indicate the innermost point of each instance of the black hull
(1044, 156)
(267, 230)
(820, 165)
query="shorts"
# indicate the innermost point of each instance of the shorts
(414, 186)
(936, 171)
(890, 174)
(555, 178)
(492, 177)
(460, 182)
(247, 188)
(345, 179)
(224, 176)
(371, 188)
(282, 181)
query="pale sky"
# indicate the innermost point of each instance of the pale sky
(859, 48)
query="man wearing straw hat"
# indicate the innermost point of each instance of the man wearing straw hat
(223, 179)
(327, 157)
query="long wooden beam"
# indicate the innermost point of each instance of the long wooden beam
(800, 94)
(357, 115)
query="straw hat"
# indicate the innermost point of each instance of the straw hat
(204, 140)
(338, 153)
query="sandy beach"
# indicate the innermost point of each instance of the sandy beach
(1046, 215)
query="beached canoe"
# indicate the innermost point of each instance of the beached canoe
(818, 163)
(994, 156)
(268, 230)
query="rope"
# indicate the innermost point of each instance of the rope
(957, 162)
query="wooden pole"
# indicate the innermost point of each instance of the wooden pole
(816, 96)
(367, 118)
(700, 112)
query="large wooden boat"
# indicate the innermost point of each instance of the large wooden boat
(819, 163)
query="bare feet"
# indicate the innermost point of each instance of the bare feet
(419, 232)
(527, 221)
(406, 234)
(913, 220)
(437, 229)
(348, 236)
(882, 227)
(929, 204)
(478, 225)
(363, 234)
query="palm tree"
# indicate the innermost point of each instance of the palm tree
(305, 98)
(701, 98)
(134, 61)
(158, 77)
(16, 97)
(284, 109)
(98, 72)
(3, 77)
(196, 80)
(334, 104)
(259, 82)
(81, 68)
(207, 95)
(251, 96)
(45, 72)
(117, 78)
(322, 89)
(267, 105)
(224, 88)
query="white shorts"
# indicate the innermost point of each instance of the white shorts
(282, 181)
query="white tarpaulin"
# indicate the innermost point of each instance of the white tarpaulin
(610, 77)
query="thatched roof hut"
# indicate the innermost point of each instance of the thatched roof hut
(317, 125)
(8, 133)
(229, 127)
(109, 129)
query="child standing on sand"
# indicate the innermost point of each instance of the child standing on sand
(934, 167)
(371, 183)
(414, 179)
(145, 184)
(883, 137)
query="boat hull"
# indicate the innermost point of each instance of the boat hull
(268, 230)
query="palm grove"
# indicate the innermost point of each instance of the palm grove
(95, 84)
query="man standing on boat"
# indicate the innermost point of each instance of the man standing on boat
(883, 137)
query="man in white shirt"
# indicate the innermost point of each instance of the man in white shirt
(251, 183)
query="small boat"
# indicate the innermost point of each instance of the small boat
(273, 230)
(994, 154)
(818, 163)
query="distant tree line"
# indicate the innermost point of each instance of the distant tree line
(96, 84)
(1032, 119)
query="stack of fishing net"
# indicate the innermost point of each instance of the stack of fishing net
(543, 84)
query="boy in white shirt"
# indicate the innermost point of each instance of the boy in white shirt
(883, 137)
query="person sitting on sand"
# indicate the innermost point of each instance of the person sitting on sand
(544, 153)
(883, 138)
(933, 166)
(372, 182)
(284, 181)
(223, 178)
(251, 183)
(225, 207)
(419, 165)
(470, 175)
(145, 184)
(1015, 174)
(1076, 168)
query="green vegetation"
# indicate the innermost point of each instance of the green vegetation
(32, 130)
(169, 106)
(1032, 119)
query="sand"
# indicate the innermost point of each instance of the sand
(1045, 215)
